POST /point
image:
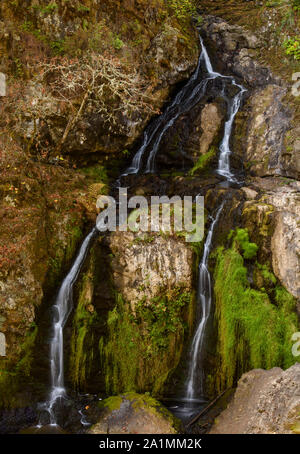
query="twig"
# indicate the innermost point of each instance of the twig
(195, 419)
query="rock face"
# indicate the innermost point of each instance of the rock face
(121, 65)
(152, 278)
(144, 265)
(265, 402)
(134, 414)
(269, 150)
(237, 46)
(46, 233)
(267, 125)
(278, 210)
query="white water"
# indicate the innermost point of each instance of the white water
(224, 163)
(204, 298)
(187, 97)
(194, 382)
(61, 311)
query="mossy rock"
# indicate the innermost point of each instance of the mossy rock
(134, 413)
(254, 324)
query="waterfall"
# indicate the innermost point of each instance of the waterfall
(194, 382)
(186, 98)
(61, 311)
(224, 164)
(204, 298)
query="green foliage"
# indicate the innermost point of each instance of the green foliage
(266, 273)
(57, 46)
(144, 346)
(112, 403)
(50, 8)
(203, 162)
(242, 238)
(292, 47)
(183, 9)
(117, 42)
(97, 172)
(253, 332)
(163, 315)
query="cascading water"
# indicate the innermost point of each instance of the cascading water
(194, 391)
(61, 311)
(224, 164)
(185, 100)
(204, 297)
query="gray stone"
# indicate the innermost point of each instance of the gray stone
(2, 84)
(265, 402)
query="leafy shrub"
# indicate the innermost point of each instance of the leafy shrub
(292, 47)
(117, 43)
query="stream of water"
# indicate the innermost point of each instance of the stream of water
(61, 311)
(186, 98)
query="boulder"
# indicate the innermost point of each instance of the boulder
(265, 402)
(134, 414)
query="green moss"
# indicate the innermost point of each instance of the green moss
(97, 172)
(144, 346)
(141, 402)
(203, 162)
(146, 401)
(112, 403)
(241, 237)
(252, 332)
(24, 365)
(266, 273)
(82, 339)
(64, 253)
(12, 379)
(183, 9)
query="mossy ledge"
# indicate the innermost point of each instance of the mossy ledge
(255, 316)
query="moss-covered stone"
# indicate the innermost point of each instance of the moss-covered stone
(143, 348)
(134, 413)
(254, 325)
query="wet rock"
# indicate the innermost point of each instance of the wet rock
(11, 421)
(211, 121)
(265, 402)
(268, 122)
(235, 47)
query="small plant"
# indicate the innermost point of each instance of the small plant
(83, 9)
(117, 42)
(292, 47)
(57, 47)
